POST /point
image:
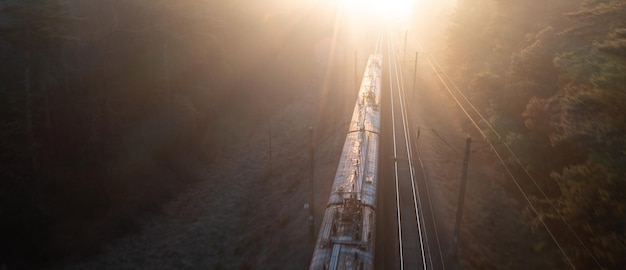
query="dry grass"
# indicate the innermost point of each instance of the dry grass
(239, 216)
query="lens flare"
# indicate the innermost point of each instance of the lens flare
(387, 9)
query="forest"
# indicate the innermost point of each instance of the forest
(110, 107)
(550, 77)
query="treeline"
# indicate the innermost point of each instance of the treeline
(108, 107)
(551, 77)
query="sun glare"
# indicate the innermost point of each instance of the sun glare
(387, 9)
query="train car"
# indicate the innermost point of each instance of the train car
(346, 236)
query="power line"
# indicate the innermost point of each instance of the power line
(518, 161)
(503, 163)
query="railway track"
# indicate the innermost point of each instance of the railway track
(346, 235)
(411, 236)
(418, 244)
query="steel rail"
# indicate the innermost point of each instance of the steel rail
(415, 192)
(395, 164)
(421, 163)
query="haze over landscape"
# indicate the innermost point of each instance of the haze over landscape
(155, 134)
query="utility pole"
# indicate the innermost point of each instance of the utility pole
(355, 67)
(367, 39)
(168, 88)
(459, 210)
(270, 147)
(414, 74)
(312, 182)
(406, 34)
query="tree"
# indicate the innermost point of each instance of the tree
(552, 75)
(30, 31)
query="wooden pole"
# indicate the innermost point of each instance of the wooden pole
(367, 41)
(312, 182)
(406, 34)
(459, 210)
(355, 72)
(270, 147)
(414, 74)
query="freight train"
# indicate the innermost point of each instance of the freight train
(346, 236)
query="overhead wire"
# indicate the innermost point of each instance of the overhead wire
(519, 162)
(475, 124)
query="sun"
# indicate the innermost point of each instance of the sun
(387, 9)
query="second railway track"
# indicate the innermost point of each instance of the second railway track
(412, 239)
